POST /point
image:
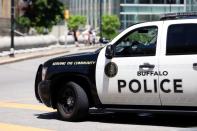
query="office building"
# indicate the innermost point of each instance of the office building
(135, 11)
(130, 11)
(91, 9)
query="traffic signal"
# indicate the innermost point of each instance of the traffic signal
(66, 14)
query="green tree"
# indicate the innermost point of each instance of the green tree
(74, 22)
(42, 14)
(110, 26)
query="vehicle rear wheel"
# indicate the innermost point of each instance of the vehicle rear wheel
(72, 104)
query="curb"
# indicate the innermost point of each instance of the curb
(27, 56)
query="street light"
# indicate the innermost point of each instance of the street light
(100, 22)
(12, 29)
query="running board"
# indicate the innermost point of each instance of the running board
(149, 110)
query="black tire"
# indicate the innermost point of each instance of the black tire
(37, 81)
(72, 103)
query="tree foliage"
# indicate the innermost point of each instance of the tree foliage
(24, 21)
(110, 26)
(74, 22)
(42, 14)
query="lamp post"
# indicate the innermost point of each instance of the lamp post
(12, 29)
(100, 22)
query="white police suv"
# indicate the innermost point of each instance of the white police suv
(150, 66)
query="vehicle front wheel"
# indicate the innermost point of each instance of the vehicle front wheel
(72, 103)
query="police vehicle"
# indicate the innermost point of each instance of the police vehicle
(149, 67)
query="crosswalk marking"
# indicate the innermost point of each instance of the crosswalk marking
(11, 127)
(25, 106)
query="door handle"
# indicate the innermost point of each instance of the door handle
(195, 66)
(146, 67)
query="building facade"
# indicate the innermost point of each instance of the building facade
(5, 8)
(191, 5)
(130, 11)
(5, 15)
(135, 11)
(91, 9)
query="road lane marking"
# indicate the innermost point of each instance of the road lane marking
(11, 127)
(25, 106)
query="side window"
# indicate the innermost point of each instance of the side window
(182, 39)
(140, 42)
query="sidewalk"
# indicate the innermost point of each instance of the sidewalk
(42, 52)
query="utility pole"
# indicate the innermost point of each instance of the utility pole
(12, 29)
(100, 22)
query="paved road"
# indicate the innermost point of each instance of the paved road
(19, 110)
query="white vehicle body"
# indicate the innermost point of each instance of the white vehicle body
(149, 67)
(177, 87)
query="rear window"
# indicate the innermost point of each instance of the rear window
(182, 39)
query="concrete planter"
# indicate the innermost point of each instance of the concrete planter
(27, 42)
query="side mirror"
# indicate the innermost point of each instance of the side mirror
(109, 52)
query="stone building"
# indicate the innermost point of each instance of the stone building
(5, 15)
(5, 7)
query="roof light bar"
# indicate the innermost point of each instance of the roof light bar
(178, 15)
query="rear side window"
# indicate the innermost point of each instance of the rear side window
(182, 39)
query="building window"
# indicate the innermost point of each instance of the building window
(158, 1)
(175, 1)
(130, 1)
(144, 1)
(152, 1)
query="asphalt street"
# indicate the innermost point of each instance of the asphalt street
(19, 109)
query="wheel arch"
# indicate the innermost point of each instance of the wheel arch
(38, 79)
(59, 80)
